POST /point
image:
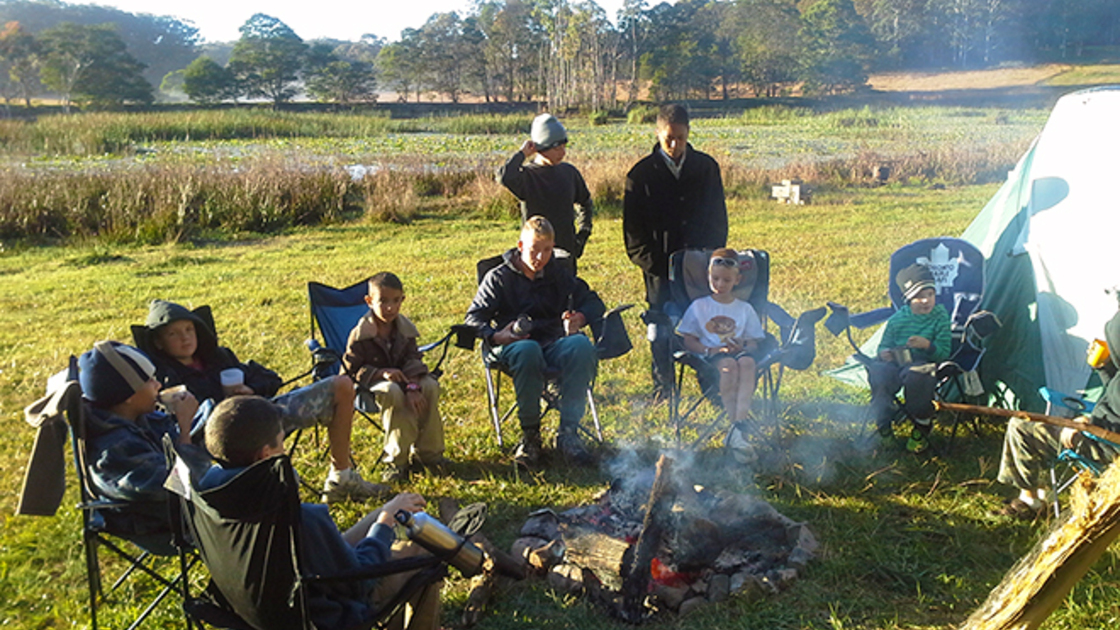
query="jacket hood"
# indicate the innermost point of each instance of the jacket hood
(367, 328)
(162, 312)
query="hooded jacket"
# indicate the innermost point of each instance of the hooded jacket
(1106, 413)
(555, 191)
(367, 355)
(662, 214)
(206, 382)
(506, 293)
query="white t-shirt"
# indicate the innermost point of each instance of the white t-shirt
(714, 323)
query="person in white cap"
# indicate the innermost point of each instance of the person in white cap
(548, 186)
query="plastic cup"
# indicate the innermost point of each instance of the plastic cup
(167, 397)
(232, 379)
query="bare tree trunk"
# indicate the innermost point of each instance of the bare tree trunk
(1039, 582)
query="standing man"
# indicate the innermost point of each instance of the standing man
(674, 200)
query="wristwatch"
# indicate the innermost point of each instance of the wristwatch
(412, 387)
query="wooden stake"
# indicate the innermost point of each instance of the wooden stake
(636, 582)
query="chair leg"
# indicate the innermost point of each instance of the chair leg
(492, 398)
(93, 574)
(594, 415)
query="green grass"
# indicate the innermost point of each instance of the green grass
(906, 541)
(1088, 75)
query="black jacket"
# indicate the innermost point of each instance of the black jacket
(558, 193)
(207, 382)
(662, 214)
(505, 294)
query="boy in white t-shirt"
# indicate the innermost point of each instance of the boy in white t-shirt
(725, 331)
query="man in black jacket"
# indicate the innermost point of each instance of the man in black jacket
(674, 200)
(530, 308)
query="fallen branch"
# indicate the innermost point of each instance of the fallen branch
(1056, 421)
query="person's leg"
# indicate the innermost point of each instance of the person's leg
(341, 422)
(400, 424)
(745, 393)
(575, 357)
(423, 609)
(919, 384)
(1028, 450)
(360, 530)
(525, 361)
(659, 332)
(429, 442)
(728, 385)
(884, 380)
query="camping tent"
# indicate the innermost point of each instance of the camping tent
(1049, 237)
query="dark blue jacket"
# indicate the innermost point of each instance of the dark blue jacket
(505, 294)
(331, 605)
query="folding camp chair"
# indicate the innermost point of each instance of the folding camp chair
(958, 271)
(334, 313)
(793, 347)
(152, 555)
(611, 340)
(248, 534)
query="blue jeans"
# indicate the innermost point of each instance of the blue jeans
(574, 357)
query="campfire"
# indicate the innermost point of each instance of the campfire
(654, 543)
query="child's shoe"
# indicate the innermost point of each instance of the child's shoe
(394, 473)
(571, 447)
(918, 442)
(528, 452)
(349, 485)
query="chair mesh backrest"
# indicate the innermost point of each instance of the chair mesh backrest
(688, 277)
(336, 312)
(958, 272)
(247, 531)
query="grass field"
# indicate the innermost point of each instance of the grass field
(907, 542)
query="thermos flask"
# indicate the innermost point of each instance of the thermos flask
(437, 538)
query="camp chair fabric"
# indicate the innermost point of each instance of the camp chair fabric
(248, 534)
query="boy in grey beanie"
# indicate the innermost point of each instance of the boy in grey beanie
(548, 186)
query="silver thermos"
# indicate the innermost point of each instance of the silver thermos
(437, 538)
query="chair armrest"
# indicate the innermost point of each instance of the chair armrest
(871, 318)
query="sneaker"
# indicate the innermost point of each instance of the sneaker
(394, 473)
(1020, 510)
(528, 451)
(349, 485)
(571, 447)
(918, 442)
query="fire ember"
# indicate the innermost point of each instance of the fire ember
(661, 544)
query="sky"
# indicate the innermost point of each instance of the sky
(218, 20)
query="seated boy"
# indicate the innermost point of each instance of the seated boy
(246, 429)
(124, 440)
(533, 287)
(382, 357)
(1029, 448)
(725, 331)
(185, 350)
(920, 329)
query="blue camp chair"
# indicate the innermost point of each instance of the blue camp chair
(794, 346)
(958, 271)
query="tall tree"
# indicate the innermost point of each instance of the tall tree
(837, 47)
(766, 43)
(91, 64)
(330, 78)
(204, 81)
(399, 65)
(267, 59)
(19, 52)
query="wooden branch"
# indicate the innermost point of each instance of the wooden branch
(1040, 581)
(635, 584)
(1056, 421)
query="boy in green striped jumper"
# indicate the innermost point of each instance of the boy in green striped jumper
(922, 327)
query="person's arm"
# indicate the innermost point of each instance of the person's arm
(359, 365)
(689, 328)
(637, 233)
(717, 209)
(413, 365)
(484, 307)
(888, 340)
(584, 209)
(587, 302)
(512, 174)
(127, 468)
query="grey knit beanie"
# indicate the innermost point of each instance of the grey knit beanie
(547, 132)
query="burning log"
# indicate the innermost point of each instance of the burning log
(636, 582)
(1039, 582)
(596, 551)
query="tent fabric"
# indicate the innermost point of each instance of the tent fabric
(1051, 271)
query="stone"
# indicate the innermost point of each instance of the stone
(672, 596)
(719, 587)
(690, 605)
(566, 578)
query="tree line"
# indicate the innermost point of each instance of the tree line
(566, 52)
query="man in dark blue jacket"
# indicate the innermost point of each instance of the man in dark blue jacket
(674, 200)
(530, 309)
